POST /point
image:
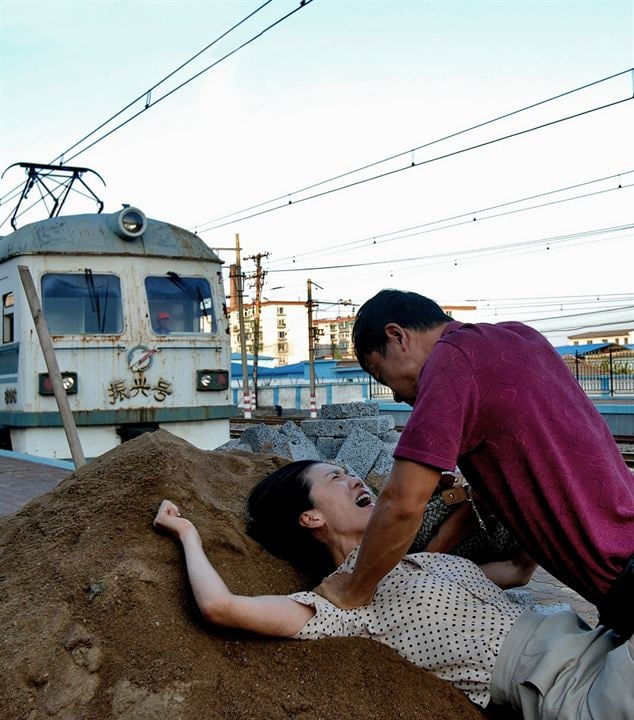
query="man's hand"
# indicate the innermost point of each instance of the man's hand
(335, 589)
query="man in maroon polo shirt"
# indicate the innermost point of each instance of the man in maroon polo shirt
(498, 401)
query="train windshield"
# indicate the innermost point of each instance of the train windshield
(82, 303)
(180, 304)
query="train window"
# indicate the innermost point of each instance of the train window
(82, 303)
(180, 304)
(7, 319)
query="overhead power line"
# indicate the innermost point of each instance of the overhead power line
(584, 327)
(590, 296)
(472, 215)
(556, 304)
(147, 94)
(552, 240)
(246, 214)
(584, 314)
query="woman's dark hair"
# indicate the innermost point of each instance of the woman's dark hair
(273, 510)
(407, 309)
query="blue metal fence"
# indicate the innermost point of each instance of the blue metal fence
(608, 374)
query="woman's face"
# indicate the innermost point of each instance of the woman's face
(344, 502)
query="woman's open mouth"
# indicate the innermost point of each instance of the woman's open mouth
(364, 499)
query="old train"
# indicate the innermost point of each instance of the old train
(136, 312)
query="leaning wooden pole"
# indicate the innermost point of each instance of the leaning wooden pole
(53, 368)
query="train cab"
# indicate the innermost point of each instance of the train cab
(136, 311)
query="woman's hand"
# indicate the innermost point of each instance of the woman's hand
(168, 518)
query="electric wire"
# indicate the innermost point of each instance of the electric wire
(164, 79)
(515, 251)
(585, 327)
(583, 314)
(553, 305)
(146, 93)
(301, 6)
(534, 246)
(472, 251)
(370, 241)
(200, 227)
(454, 153)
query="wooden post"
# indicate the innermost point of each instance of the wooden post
(53, 368)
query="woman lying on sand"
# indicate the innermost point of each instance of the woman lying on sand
(438, 611)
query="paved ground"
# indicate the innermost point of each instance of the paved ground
(22, 480)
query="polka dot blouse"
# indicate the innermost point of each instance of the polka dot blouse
(438, 611)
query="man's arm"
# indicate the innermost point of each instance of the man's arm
(275, 615)
(392, 527)
(457, 527)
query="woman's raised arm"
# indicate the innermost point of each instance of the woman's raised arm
(275, 615)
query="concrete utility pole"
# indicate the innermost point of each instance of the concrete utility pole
(259, 283)
(311, 349)
(243, 347)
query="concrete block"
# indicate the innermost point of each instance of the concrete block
(342, 428)
(292, 431)
(235, 444)
(264, 439)
(359, 452)
(302, 448)
(340, 411)
(325, 447)
(336, 445)
(380, 472)
(391, 436)
(384, 461)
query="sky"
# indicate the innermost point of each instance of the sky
(338, 86)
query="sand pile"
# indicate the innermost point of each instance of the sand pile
(97, 620)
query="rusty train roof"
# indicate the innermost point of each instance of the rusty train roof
(96, 235)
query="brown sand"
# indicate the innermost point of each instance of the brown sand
(97, 619)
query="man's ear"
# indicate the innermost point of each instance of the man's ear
(396, 333)
(311, 519)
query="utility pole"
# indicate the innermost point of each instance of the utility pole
(259, 282)
(311, 349)
(243, 346)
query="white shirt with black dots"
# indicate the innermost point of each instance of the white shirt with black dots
(438, 611)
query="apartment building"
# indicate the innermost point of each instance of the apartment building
(334, 338)
(282, 334)
(283, 331)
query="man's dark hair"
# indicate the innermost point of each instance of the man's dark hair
(407, 309)
(274, 507)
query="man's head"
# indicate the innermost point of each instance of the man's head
(393, 334)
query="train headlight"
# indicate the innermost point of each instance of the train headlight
(212, 380)
(129, 223)
(69, 381)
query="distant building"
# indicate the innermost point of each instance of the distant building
(622, 336)
(283, 331)
(334, 338)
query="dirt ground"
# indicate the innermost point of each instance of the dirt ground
(97, 619)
